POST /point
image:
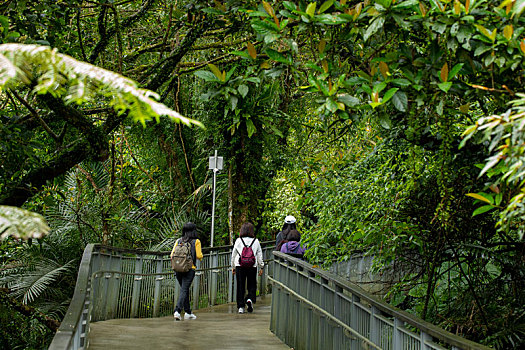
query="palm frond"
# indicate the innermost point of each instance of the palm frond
(76, 81)
(37, 282)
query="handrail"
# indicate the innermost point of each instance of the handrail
(69, 325)
(327, 314)
(288, 271)
(74, 329)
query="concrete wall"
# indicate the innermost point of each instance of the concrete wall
(359, 270)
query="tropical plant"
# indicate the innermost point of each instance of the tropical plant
(20, 223)
(505, 167)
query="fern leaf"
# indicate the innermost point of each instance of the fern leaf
(76, 81)
(21, 223)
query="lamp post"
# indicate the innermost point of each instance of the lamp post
(215, 165)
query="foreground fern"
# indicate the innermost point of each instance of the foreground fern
(50, 72)
(21, 223)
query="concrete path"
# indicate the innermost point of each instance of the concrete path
(219, 327)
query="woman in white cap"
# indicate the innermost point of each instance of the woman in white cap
(289, 224)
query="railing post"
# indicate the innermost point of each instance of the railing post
(113, 287)
(230, 285)
(196, 286)
(374, 325)
(105, 286)
(156, 293)
(424, 338)
(337, 312)
(213, 282)
(397, 340)
(309, 296)
(135, 296)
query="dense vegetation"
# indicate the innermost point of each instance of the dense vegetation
(384, 126)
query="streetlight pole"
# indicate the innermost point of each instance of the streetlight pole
(215, 164)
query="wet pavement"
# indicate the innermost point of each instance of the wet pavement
(218, 327)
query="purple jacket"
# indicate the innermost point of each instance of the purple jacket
(292, 247)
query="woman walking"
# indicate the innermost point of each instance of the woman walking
(246, 256)
(289, 224)
(292, 246)
(189, 237)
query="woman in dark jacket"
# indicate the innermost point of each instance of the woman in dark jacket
(189, 234)
(289, 224)
(292, 246)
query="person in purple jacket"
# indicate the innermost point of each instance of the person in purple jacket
(292, 246)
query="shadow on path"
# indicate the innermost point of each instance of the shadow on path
(218, 327)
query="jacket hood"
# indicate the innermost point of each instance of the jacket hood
(292, 245)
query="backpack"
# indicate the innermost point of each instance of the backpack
(181, 260)
(247, 258)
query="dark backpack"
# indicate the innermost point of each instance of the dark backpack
(247, 258)
(181, 260)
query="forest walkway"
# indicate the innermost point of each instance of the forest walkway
(218, 327)
(124, 299)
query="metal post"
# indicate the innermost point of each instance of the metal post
(213, 198)
(156, 292)
(214, 277)
(215, 164)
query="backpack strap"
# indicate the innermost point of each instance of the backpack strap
(252, 242)
(238, 249)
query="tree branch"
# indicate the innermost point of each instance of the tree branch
(104, 40)
(163, 74)
(35, 115)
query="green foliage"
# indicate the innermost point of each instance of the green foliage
(20, 223)
(345, 114)
(505, 166)
(76, 82)
(282, 200)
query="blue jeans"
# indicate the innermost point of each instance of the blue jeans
(184, 279)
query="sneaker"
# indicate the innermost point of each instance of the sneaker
(241, 310)
(189, 316)
(250, 305)
(176, 315)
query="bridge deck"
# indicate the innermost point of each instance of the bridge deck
(219, 327)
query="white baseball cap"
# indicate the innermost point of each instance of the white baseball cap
(289, 219)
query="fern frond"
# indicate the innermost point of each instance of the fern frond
(7, 70)
(76, 81)
(37, 282)
(21, 223)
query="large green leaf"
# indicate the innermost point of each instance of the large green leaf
(207, 75)
(326, 5)
(243, 90)
(374, 27)
(277, 56)
(483, 209)
(265, 27)
(389, 94)
(400, 101)
(250, 127)
(349, 101)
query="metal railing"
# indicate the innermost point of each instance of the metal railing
(314, 309)
(124, 283)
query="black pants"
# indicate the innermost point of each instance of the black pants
(243, 276)
(184, 279)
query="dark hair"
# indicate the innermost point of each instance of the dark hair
(288, 227)
(294, 235)
(189, 232)
(247, 230)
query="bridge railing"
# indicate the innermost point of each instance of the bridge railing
(124, 283)
(314, 309)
